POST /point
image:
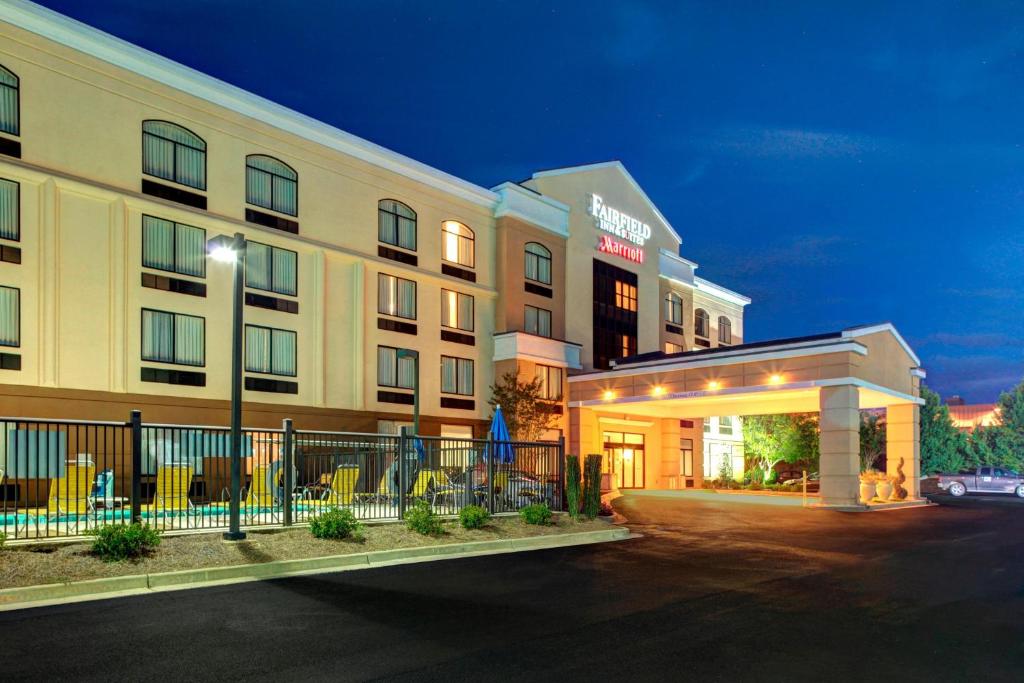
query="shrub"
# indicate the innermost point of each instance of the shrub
(591, 486)
(473, 516)
(538, 513)
(707, 484)
(3, 539)
(116, 542)
(336, 524)
(757, 486)
(421, 519)
(572, 485)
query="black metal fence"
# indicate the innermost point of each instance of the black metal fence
(62, 478)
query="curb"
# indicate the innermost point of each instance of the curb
(25, 597)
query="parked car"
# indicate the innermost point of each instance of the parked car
(983, 480)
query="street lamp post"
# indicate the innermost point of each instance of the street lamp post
(415, 355)
(224, 250)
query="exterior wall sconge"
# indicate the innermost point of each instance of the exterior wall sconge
(775, 379)
(714, 385)
(659, 390)
(608, 395)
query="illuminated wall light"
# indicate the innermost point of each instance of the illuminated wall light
(659, 390)
(714, 385)
(608, 395)
(775, 379)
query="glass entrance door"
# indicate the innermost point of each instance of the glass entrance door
(625, 459)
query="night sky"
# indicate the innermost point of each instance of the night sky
(839, 166)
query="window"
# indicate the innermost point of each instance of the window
(627, 345)
(707, 425)
(10, 115)
(396, 224)
(174, 247)
(271, 269)
(550, 382)
(10, 316)
(725, 425)
(272, 184)
(701, 323)
(270, 351)
(173, 153)
(625, 296)
(673, 348)
(456, 310)
(686, 456)
(393, 371)
(456, 376)
(674, 308)
(724, 330)
(457, 244)
(396, 296)
(538, 321)
(173, 338)
(10, 210)
(538, 263)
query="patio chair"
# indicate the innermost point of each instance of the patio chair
(103, 492)
(343, 486)
(426, 480)
(383, 492)
(72, 493)
(172, 485)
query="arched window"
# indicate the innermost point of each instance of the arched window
(272, 184)
(457, 244)
(10, 119)
(724, 330)
(674, 308)
(173, 153)
(538, 263)
(396, 224)
(701, 323)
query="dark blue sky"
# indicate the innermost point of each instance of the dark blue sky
(840, 166)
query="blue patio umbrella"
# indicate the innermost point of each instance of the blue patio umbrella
(499, 434)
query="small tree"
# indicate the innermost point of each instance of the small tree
(592, 486)
(572, 485)
(944, 448)
(527, 414)
(771, 439)
(872, 440)
(1010, 409)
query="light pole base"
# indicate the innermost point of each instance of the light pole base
(234, 536)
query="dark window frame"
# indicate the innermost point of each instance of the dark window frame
(396, 385)
(471, 238)
(17, 323)
(551, 321)
(458, 375)
(415, 220)
(176, 143)
(701, 324)
(174, 246)
(174, 338)
(547, 380)
(416, 297)
(526, 259)
(17, 99)
(272, 176)
(724, 326)
(295, 347)
(673, 302)
(472, 322)
(272, 271)
(17, 199)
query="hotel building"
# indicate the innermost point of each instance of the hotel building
(118, 166)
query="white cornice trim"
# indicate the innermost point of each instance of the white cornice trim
(120, 53)
(677, 257)
(919, 373)
(855, 332)
(720, 292)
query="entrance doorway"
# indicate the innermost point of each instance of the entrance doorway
(624, 458)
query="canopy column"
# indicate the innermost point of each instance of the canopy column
(840, 444)
(903, 445)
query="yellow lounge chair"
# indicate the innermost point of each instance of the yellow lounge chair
(423, 481)
(343, 486)
(172, 484)
(72, 493)
(382, 494)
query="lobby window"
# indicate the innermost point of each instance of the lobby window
(10, 210)
(707, 425)
(271, 269)
(686, 456)
(456, 310)
(270, 351)
(550, 382)
(674, 308)
(538, 263)
(457, 244)
(173, 338)
(393, 371)
(10, 105)
(627, 345)
(625, 296)
(10, 316)
(456, 376)
(724, 330)
(701, 323)
(271, 184)
(396, 224)
(538, 321)
(173, 247)
(673, 348)
(396, 296)
(725, 425)
(173, 153)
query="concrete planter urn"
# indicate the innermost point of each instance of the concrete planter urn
(867, 491)
(883, 489)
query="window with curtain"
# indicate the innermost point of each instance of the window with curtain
(271, 269)
(725, 425)
(673, 348)
(625, 296)
(10, 107)
(550, 382)
(538, 321)
(538, 263)
(724, 330)
(396, 296)
(10, 316)
(174, 247)
(10, 210)
(674, 308)
(456, 310)
(393, 371)
(270, 351)
(396, 224)
(173, 153)
(456, 376)
(173, 338)
(701, 323)
(272, 184)
(457, 244)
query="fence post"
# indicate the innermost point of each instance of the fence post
(489, 454)
(289, 459)
(136, 493)
(403, 443)
(561, 472)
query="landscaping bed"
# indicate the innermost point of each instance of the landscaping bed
(62, 563)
